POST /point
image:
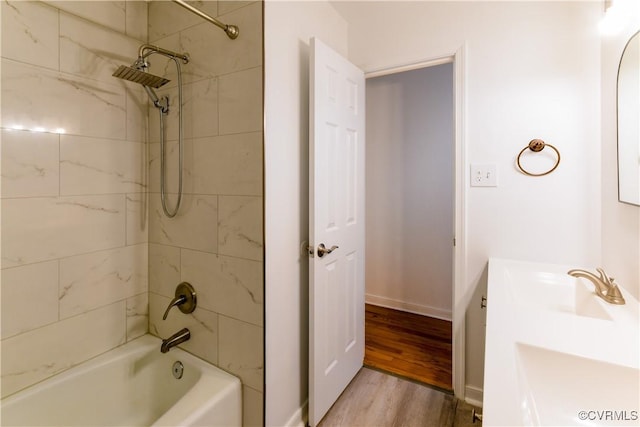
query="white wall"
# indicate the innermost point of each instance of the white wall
(621, 222)
(532, 71)
(288, 27)
(409, 197)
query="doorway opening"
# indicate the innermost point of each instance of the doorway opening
(411, 222)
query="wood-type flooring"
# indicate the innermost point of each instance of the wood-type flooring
(409, 345)
(376, 399)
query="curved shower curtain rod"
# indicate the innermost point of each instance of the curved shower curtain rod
(231, 30)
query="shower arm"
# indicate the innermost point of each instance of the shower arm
(149, 49)
(231, 30)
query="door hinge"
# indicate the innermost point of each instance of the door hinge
(454, 241)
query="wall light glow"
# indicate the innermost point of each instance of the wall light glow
(38, 129)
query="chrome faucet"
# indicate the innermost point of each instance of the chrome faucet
(606, 288)
(176, 339)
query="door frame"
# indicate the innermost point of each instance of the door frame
(459, 297)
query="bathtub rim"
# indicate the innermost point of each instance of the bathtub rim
(213, 385)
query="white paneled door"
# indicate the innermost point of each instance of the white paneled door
(336, 226)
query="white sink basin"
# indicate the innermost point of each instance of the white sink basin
(556, 354)
(562, 389)
(557, 292)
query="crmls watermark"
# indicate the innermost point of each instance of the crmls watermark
(607, 415)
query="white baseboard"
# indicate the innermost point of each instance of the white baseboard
(473, 396)
(299, 417)
(424, 310)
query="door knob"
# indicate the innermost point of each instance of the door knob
(322, 250)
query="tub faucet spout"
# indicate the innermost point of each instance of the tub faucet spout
(606, 288)
(176, 339)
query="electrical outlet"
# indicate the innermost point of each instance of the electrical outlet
(484, 176)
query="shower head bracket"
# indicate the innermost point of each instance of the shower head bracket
(163, 104)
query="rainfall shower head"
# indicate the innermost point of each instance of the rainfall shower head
(138, 76)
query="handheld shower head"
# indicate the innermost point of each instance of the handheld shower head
(152, 95)
(162, 104)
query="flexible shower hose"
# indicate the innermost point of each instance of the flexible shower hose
(163, 196)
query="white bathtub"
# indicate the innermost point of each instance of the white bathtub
(132, 385)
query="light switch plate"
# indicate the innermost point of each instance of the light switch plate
(484, 176)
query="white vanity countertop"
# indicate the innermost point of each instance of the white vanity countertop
(556, 353)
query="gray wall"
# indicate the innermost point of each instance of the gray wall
(409, 198)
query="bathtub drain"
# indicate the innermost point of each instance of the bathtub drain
(178, 370)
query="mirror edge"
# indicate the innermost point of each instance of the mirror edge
(634, 35)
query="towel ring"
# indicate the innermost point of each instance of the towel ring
(537, 145)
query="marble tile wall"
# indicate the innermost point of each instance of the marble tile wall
(84, 239)
(216, 241)
(74, 188)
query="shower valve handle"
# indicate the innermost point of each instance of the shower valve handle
(185, 299)
(175, 302)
